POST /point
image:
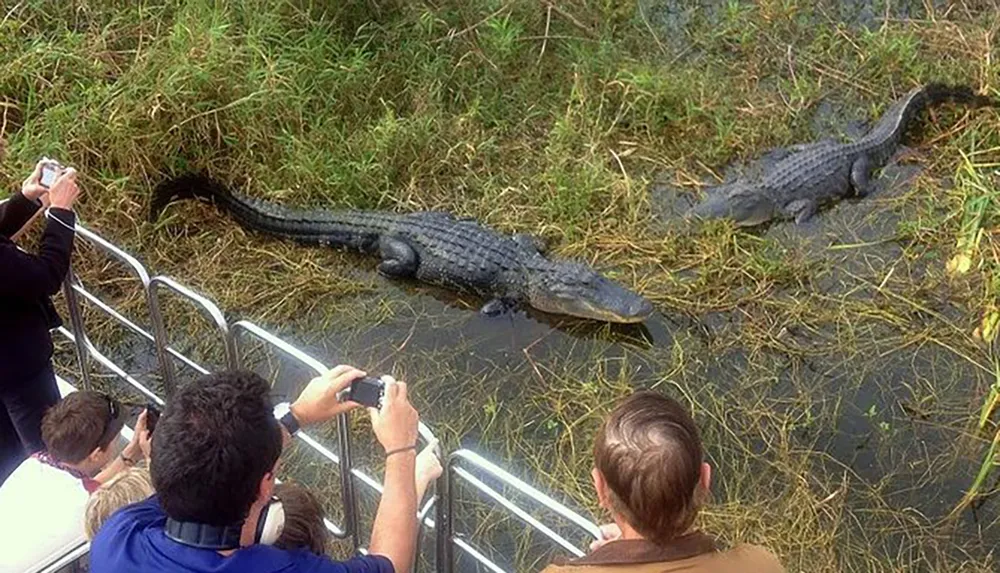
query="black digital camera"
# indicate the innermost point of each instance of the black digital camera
(152, 416)
(366, 391)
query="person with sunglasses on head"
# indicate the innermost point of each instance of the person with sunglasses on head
(43, 500)
(27, 382)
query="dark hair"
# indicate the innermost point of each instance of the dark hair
(304, 527)
(215, 441)
(650, 455)
(79, 423)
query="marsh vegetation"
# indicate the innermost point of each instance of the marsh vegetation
(843, 371)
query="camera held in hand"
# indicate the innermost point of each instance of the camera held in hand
(366, 391)
(152, 416)
(51, 170)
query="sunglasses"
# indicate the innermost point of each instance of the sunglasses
(110, 431)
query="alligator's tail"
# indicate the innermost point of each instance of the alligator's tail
(901, 114)
(355, 229)
(936, 93)
(187, 186)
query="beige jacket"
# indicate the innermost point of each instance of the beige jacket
(692, 553)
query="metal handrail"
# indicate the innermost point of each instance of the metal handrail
(125, 321)
(350, 527)
(442, 501)
(76, 317)
(103, 360)
(446, 538)
(527, 489)
(161, 341)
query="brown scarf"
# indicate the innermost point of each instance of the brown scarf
(632, 551)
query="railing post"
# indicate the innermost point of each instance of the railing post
(79, 332)
(346, 481)
(159, 331)
(160, 341)
(444, 549)
(234, 343)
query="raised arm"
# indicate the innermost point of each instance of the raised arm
(318, 401)
(15, 213)
(394, 534)
(21, 207)
(32, 276)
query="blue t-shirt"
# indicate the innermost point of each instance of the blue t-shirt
(133, 540)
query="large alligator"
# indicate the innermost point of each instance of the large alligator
(435, 248)
(805, 177)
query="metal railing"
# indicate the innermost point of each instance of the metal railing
(462, 465)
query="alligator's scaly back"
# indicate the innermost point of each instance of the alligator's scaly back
(887, 133)
(811, 175)
(432, 247)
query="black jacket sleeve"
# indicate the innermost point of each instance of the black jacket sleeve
(30, 276)
(15, 213)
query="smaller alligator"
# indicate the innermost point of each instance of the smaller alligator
(435, 248)
(808, 176)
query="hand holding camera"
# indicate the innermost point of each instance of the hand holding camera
(32, 187)
(53, 178)
(63, 192)
(319, 401)
(344, 388)
(44, 176)
(139, 446)
(395, 422)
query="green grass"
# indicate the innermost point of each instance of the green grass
(557, 118)
(976, 251)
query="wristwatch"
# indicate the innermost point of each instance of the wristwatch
(283, 412)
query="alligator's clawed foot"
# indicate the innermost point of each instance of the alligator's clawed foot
(801, 209)
(861, 172)
(398, 259)
(498, 307)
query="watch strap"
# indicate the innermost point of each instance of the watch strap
(283, 413)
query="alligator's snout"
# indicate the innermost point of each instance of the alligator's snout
(745, 205)
(577, 290)
(641, 308)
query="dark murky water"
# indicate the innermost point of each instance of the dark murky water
(673, 21)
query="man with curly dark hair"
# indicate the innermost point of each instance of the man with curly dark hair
(215, 452)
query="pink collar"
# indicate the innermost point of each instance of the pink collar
(89, 483)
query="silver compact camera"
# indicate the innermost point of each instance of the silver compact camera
(51, 169)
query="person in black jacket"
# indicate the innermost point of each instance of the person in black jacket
(27, 381)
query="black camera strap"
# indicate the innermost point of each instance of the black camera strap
(203, 536)
(222, 537)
